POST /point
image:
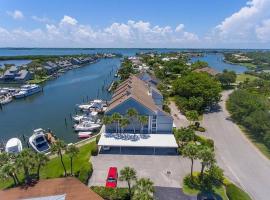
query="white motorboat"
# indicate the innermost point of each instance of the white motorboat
(5, 99)
(84, 134)
(27, 90)
(85, 117)
(39, 142)
(95, 104)
(14, 145)
(86, 126)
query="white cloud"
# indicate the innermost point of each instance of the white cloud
(67, 20)
(68, 32)
(41, 19)
(16, 14)
(248, 25)
(179, 28)
(263, 31)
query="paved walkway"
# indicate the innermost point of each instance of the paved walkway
(241, 161)
(179, 119)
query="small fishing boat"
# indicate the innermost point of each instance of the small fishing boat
(14, 145)
(86, 126)
(83, 135)
(39, 142)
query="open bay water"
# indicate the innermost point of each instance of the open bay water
(60, 96)
(216, 61)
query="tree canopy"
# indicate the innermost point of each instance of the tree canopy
(196, 91)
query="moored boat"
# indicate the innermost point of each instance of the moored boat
(83, 135)
(27, 90)
(86, 126)
(39, 142)
(5, 99)
(13, 145)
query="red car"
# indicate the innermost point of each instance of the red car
(111, 181)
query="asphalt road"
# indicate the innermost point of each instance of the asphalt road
(240, 159)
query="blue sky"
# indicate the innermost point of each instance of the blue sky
(126, 23)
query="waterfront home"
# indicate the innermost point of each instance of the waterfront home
(75, 61)
(64, 64)
(50, 67)
(146, 99)
(14, 74)
(52, 189)
(156, 132)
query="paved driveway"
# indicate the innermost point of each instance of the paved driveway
(152, 166)
(241, 161)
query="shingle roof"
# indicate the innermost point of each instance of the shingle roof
(134, 88)
(71, 187)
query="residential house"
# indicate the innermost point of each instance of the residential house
(15, 74)
(147, 100)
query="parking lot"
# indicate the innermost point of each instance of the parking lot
(163, 170)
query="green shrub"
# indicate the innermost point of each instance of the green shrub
(111, 193)
(97, 139)
(192, 183)
(94, 151)
(85, 173)
(205, 141)
(235, 193)
(166, 108)
(201, 129)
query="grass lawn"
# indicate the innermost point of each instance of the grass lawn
(38, 80)
(54, 169)
(243, 77)
(193, 192)
(262, 148)
(235, 193)
(248, 65)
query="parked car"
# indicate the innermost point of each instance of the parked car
(112, 177)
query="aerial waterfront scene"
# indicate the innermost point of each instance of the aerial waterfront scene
(134, 100)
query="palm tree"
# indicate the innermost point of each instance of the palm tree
(72, 151)
(128, 174)
(143, 190)
(58, 147)
(41, 160)
(9, 170)
(191, 151)
(143, 120)
(4, 158)
(25, 159)
(132, 114)
(116, 117)
(207, 157)
(124, 123)
(107, 120)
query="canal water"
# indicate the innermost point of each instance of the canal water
(58, 100)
